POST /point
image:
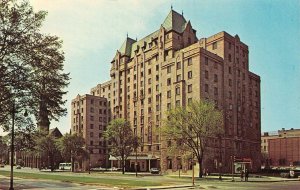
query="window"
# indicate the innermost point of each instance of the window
(149, 90)
(149, 71)
(157, 88)
(157, 77)
(168, 81)
(190, 88)
(229, 57)
(216, 78)
(206, 87)
(216, 91)
(206, 74)
(91, 142)
(190, 75)
(149, 81)
(229, 45)
(206, 60)
(177, 90)
(230, 82)
(92, 101)
(177, 103)
(229, 70)
(190, 61)
(92, 126)
(230, 95)
(142, 74)
(178, 78)
(214, 45)
(178, 65)
(157, 67)
(190, 100)
(92, 118)
(169, 69)
(91, 134)
(169, 94)
(169, 106)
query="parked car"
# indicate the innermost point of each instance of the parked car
(154, 170)
(1, 165)
(115, 169)
(18, 167)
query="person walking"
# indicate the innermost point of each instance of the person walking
(246, 175)
(242, 175)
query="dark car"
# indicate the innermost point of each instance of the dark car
(154, 171)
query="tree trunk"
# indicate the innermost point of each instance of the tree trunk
(52, 162)
(72, 164)
(200, 167)
(122, 165)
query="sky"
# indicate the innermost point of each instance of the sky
(93, 30)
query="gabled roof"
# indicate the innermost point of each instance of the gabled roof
(126, 46)
(174, 21)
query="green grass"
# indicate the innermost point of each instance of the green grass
(84, 179)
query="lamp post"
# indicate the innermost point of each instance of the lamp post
(12, 147)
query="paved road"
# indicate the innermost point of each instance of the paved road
(46, 184)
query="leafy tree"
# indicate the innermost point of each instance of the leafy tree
(47, 146)
(31, 68)
(18, 26)
(192, 127)
(121, 139)
(48, 81)
(72, 147)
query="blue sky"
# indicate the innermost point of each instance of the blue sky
(93, 30)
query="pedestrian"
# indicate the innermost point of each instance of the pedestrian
(242, 175)
(207, 172)
(204, 172)
(246, 175)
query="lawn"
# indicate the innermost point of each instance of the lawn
(84, 179)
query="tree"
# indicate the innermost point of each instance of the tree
(191, 127)
(72, 147)
(121, 140)
(18, 26)
(46, 146)
(31, 68)
(48, 81)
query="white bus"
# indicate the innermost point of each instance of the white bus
(65, 166)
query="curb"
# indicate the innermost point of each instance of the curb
(163, 187)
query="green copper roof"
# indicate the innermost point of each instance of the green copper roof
(141, 42)
(126, 47)
(174, 21)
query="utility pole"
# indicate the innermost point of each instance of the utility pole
(12, 149)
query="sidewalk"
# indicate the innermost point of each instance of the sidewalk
(238, 179)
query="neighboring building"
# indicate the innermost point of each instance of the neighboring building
(171, 67)
(90, 115)
(283, 148)
(33, 160)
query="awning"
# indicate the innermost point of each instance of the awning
(139, 157)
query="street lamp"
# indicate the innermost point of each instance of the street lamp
(12, 147)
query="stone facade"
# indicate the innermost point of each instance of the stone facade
(170, 67)
(90, 115)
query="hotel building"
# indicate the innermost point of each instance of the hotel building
(171, 67)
